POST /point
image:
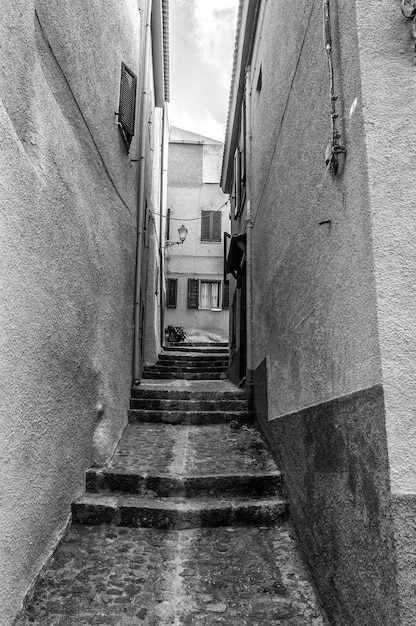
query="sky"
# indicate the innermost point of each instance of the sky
(202, 35)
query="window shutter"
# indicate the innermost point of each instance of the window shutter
(171, 293)
(168, 225)
(127, 104)
(205, 225)
(193, 293)
(216, 226)
(226, 295)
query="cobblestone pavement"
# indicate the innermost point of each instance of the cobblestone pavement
(191, 450)
(240, 576)
(178, 477)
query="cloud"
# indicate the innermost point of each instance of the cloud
(203, 123)
(202, 44)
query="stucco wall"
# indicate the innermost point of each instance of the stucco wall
(389, 87)
(314, 307)
(329, 271)
(187, 196)
(68, 239)
(388, 92)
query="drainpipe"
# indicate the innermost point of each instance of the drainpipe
(249, 245)
(137, 365)
(161, 231)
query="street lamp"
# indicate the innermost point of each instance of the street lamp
(182, 236)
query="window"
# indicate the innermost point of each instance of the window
(238, 195)
(171, 293)
(193, 293)
(167, 235)
(127, 104)
(209, 295)
(211, 225)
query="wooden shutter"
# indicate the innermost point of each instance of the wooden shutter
(216, 226)
(168, 226)
(171, 293)
(127, 104)
(205, 226)
(226, 295)
(211, 225)
(193, 293)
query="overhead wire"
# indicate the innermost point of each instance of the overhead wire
(190, 219)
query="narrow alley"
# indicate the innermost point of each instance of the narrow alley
(187, 524)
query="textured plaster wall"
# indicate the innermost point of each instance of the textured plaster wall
(67, 232)
(389, 85)
(314, 307)
(187, 196)
(333, 296)
(389, 88)
(337, 476)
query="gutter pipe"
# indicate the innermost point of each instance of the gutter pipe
(249, 244)
(162, 236)
(137, 364)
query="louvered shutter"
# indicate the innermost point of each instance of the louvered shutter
(127, 104)
(205, 226)
(193, 293)
(216, 226)
(171, 293)
(226, 295)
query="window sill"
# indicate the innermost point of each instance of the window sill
(200, 308)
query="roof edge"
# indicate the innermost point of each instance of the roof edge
(248, 11)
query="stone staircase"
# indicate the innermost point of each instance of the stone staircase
(189, 456)
(191, 362)
(185, 526)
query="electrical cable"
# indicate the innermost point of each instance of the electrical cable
(190, 219)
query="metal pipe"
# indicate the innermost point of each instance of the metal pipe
(161, 233)
(249, 243)
(137, 365)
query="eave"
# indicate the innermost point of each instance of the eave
(246, 30)
(160, 50)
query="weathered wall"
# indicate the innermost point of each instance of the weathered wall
(336, 474)
(315, 292)
(187, 196)
(68, 237)
(389, 87)
(317, 288)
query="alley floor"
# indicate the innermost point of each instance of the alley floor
(186, 526)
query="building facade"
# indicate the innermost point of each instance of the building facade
(319, 161)
(196, 294)
(78, 176)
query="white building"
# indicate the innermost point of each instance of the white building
(196, 296)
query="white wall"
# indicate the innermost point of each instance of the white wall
(190, 166)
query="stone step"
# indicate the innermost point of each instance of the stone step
(184, 349)
(192, 356)
(200, 344)
(177, 513)
(187, 460)
(189, 417)
(261, 484)
(191, 363)
(148, 391)
(167, 404)
(184, 368)
(184, 376)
